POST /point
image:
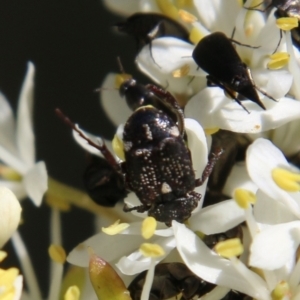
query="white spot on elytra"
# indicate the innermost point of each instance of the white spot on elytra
(165, 188)
(174, 131)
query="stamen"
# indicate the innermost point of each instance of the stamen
(286, 180)
(287, 23)
(151, 250)
(148, 281)
(120, 78)
(278, 60)
(244, 198)
(8, 173)
(211, 131)
(186, 16)
(72, 293)
(281, 291)
(184, 3)
(168, 8)
(229, 248)
(115, 228)
(148, 227)
(118, 147)
(182, 72)
(3, 255)
(57, 202)
(57, 253)
(195, 35)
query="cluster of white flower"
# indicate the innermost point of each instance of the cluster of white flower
(262, 191)
(264, 188)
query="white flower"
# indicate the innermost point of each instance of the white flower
(10, 214)
(17, 151)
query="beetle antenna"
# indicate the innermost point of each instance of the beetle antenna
(75, 127)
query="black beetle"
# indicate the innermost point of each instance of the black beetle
(216, 55)
(103, 183)
(285, 8)
(138, 95)
(170, 279)
(145, 27)
(158, 165)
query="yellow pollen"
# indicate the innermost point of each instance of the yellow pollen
(7, 277)
(3, 255)
(148, 227)
(10, 174)
(168, 8)
(115, 228)
(187, 17)
(72, 293)
(57, 202)
(118, 147)
(182, 72)
(281, 291)
(287, 23)
(229, 248)
(120, 78)
(151, 250)
(211, 131)
(184, 3)
(195, 35)
(244, 198)
(278, 60)
(286, 180)
(57, 254)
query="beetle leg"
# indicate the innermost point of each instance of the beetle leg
(140, 208)
(215, 155)
(211, 81)
(170, 102)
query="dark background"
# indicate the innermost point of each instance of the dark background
(73, 47)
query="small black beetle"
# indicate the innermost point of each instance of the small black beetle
(145, 27)
(216, 55)
(138, 95)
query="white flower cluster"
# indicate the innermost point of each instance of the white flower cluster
(262, 191)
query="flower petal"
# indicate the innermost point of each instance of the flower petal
(86, 146)
(212, 268)
(113, 104)
(261, 158)
(24, 133)
(217, 218)
(269, 211)
(107, 246)
(273, 247)
(7, 125)
(10, 214)
(16, 187)
(213, 110)
(36, 182)
(137, 263)
(239, 178)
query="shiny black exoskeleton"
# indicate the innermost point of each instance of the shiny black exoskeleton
(145, 27)
(158, 165)
(103, 183)
(216, 55)
(138, 95)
